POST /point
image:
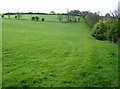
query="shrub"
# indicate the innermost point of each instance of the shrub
(33, 18)
(99, 31)
(15, 17)
(2, 16)
(37, 18)
(43, 19)
(79, 19)
(113, 30)
(106, 30)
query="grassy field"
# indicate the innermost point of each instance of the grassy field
(50, 54)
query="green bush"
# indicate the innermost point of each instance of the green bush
(106, 30)
(2, 16)
(43, 19)
(99, 31)
(37, 18)
(112, 25)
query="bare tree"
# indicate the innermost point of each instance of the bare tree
(19, 15)
(8, 15)
(71, 15)
(107, 15)
(60, 17)
(52, 12)
(92, 19)
(68, 15)
(116, 13)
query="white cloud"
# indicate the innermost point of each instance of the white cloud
(58, 5)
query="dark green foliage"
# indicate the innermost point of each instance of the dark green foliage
(43, 19)
(15, 17)
(33, 18)
(106, 30)
(37, 18)
(100, 31)
(75, 20)
(79, 19)
(74, 12)
(83, 14)
(113, 30)
(2, 16)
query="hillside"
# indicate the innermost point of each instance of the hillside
(56, 54)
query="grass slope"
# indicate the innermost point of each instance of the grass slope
(56, 54)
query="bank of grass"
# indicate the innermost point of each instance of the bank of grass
(52, 54)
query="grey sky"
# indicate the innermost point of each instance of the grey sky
(58, 5)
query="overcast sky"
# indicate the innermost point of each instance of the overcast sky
(58, 5)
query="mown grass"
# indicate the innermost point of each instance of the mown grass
(52, 54)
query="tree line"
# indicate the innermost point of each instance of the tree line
(105, 27)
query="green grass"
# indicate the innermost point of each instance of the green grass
(56, 55)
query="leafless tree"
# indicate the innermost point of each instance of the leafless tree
(116, 13)
(60, 17)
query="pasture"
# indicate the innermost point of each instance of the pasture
(50, 54)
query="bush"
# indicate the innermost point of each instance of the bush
(79, 19)
(33, 18)
(2, 16)
(43, 19)
(37, 18)
(113, 30)
(99, 31)
(106, 30)
(15, 17)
